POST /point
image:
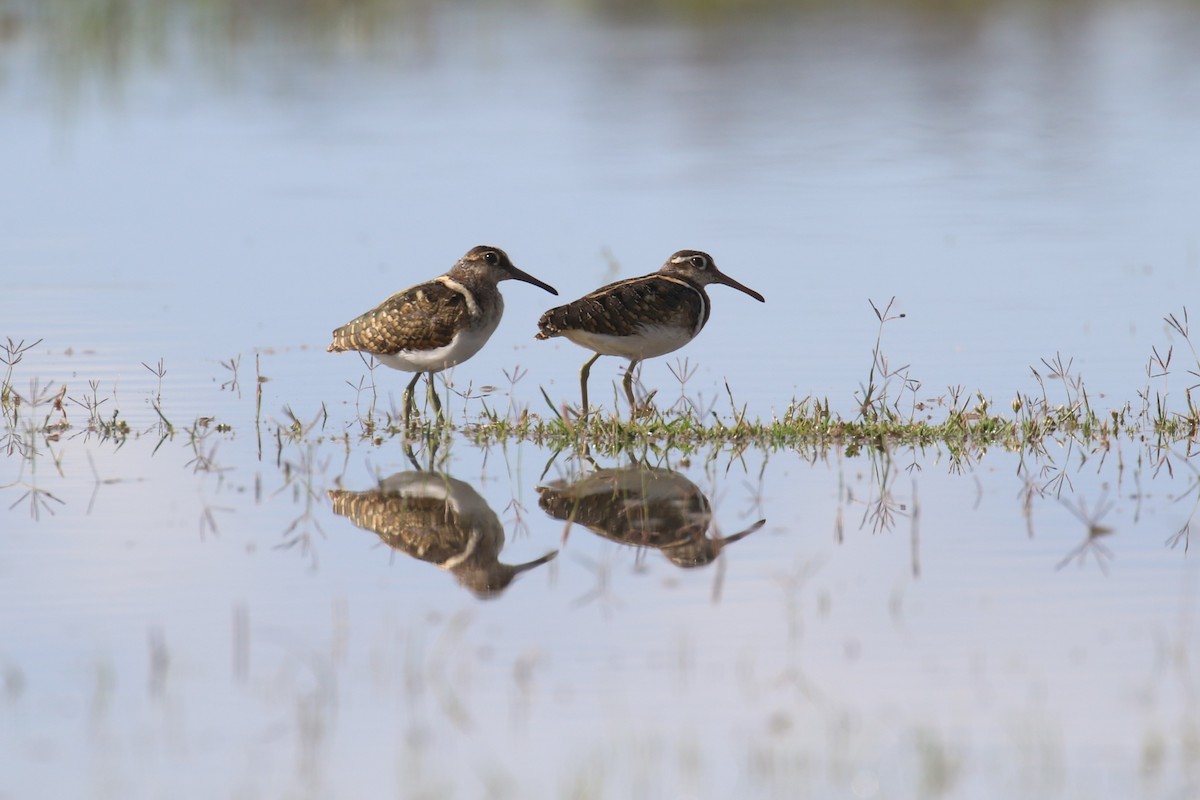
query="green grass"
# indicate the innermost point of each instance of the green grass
(888, 410)
(808, 423)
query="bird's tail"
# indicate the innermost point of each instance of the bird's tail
(551, 324)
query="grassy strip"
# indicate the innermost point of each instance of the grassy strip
(888, 413)
(809, 423)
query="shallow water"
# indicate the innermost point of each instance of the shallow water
(197, 622)
(192, 612)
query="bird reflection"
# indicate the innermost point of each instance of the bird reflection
(644, 507)
(435, 518)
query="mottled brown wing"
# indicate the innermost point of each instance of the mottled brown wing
(625, 307)
(424, 528)
(616, 505)
(424, 317)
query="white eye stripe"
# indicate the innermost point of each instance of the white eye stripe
(693, 259)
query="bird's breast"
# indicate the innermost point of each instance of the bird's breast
(647, 341)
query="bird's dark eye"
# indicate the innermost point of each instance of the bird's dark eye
(699, 262)
(491, 257)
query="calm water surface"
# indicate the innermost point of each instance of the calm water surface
(236, 613)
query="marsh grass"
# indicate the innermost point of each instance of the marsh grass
(889, 411)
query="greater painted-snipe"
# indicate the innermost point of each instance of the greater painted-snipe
(437, 324)
(640, 318)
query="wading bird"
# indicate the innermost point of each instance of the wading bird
(640, 318)
(437, 324)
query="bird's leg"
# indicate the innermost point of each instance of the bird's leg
(633, 409)
(583, 380)
(409, 404)
(433, 397)
(412, 458)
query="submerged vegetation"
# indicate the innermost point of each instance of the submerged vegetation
(890, 411)
(1055, 430)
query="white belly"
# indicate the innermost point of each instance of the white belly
(464, 345)
(649, 342)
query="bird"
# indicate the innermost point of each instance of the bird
(437, 324)
(438, 519)
(644, 507)
(640, 318)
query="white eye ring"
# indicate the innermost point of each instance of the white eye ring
(699, 262)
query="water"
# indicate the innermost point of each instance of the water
(217, 187)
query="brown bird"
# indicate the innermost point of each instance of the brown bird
(643, 507)
(438, 519)
(437, 324)
(640, 318)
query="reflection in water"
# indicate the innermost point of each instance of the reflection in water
(645, 507)
(1092, 544)
(433, 517)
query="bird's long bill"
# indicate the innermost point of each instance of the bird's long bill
(537, 562)
(742, 534)
(721, 277)
(525, 276)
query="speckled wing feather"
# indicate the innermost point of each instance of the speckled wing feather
(646, 509)
(424, 528)
(424, 317)
(625, 307)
